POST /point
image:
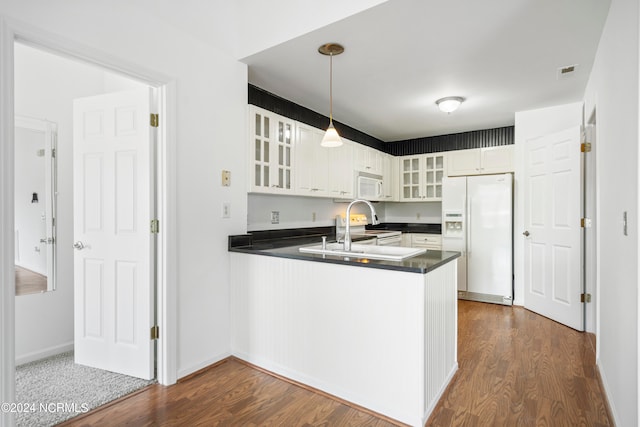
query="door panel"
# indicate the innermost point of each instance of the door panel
(113, 256)
(553, 282)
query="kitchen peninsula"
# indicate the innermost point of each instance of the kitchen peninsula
(380, 334)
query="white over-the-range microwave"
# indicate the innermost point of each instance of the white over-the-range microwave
(369, 186)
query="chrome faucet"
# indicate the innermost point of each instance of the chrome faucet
(347, 230)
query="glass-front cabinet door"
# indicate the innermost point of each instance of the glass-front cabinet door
(421, 177)
(433, 174)
(271, 142)
(410, 179)
(285, 132)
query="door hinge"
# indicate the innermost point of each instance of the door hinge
(585, 222)
(155, 120)
(585, 147)
(53, 152)
(155, 226)
(585, 297)
(155, 332)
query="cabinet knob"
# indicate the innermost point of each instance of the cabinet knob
(526, 234)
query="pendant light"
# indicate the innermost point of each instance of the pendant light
(331, 137)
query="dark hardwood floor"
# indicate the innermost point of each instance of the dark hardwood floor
(520, 369)
(516, 369)
(29, 282)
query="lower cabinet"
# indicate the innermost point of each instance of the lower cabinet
(422, 240)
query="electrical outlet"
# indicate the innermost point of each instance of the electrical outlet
(313, 217)
(275, 217)
(226, 178)
(418, 215)
(226, 209)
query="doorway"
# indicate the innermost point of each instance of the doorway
(53, 94)
(13, 32)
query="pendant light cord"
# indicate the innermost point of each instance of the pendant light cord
(331, 89)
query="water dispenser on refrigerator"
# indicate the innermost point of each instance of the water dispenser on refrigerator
(453, 224)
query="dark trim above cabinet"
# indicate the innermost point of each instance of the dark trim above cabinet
(455, 141)
(431, 144)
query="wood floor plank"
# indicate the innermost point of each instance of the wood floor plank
(515, 369)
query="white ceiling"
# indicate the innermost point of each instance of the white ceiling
(402, 55)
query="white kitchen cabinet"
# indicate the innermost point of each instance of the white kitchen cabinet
(424, 240)
(311, 162)
(389, 178)
(341, 170)
(480, 161)
(271, 147)
(406, 240)
(368, 159)
(421, 177)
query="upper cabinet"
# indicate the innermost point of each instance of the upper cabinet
(312, 162)
(271, 145)
(389, 178)
(368, 159)
(286, 158)
(421, 177)
(480, 161)
(341, 170)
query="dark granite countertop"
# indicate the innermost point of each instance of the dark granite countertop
(287, 246)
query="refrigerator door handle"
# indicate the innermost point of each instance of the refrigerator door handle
(468, 223)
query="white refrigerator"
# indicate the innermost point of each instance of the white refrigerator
(477, 220)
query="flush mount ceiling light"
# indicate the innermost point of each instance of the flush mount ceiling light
(331, 137)
(449, 104)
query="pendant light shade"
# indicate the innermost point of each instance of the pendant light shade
(331, 137)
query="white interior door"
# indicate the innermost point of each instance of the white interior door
(553, 283)
(112, 210)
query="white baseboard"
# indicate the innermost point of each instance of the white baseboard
(195, 368)
(607, 393)
(437, 398)
(41, 354)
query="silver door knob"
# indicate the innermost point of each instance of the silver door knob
(78, 245)
(526, 234)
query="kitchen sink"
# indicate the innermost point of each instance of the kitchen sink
(388, 253)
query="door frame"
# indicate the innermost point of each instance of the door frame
(166, 270)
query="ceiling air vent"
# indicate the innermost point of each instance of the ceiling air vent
(567, 71)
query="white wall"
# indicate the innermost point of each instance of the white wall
(529, 124)
(416, 212)
(613, 91)
(211, 89)
(296, 211)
